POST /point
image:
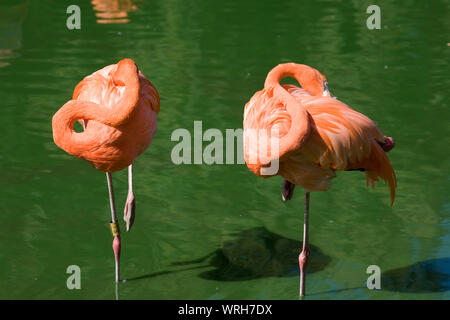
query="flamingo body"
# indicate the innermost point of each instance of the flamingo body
(119, 107)
(332, 136)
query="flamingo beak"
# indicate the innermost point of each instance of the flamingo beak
(326, 91)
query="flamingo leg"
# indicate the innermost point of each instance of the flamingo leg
(287, 191)
(303, 257)
(130, 204)
(114, 226)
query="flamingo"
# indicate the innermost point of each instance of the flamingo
(316, 135)
(117, 107)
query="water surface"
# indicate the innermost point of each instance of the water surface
(219, 232)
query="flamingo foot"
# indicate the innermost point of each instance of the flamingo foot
(129, 212)
(302, 261)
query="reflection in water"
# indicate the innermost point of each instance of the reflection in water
(257, 253)
(251, 254)
(117, 289)
(11, 19)
(422, 277)
(113, 11)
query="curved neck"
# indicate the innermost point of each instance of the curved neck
(127, 74)
(300, 119)
(65, 136)
(63, 120)
(309, 78)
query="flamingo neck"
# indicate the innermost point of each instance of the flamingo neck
(309, 78)
(300, 122)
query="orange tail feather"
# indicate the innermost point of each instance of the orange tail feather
(379, 166)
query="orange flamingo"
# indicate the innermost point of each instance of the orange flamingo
(316, 135)
(117, 107)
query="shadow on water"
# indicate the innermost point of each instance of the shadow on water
(161, 273)
(251, 254)
(257, 253)
(422, 277)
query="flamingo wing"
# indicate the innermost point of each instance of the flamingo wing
(343, 139)
(273, 128)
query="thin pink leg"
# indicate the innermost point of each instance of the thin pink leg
(116, 248)
(303, 257)
(114, 226)
(130, 204)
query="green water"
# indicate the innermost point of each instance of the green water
(218, 231)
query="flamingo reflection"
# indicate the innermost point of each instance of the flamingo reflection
(113, 11)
